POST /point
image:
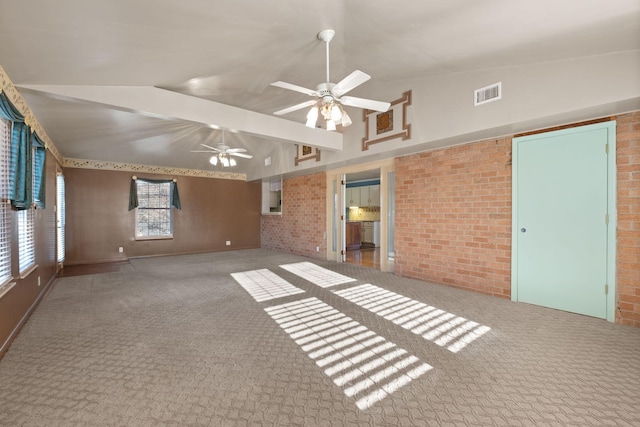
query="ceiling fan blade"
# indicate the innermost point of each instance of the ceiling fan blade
(350, 82)
(202, 151)
(236, 150)
(244, 156)
(295, 108)
(212, 148)
(285, 85)
(368, 104)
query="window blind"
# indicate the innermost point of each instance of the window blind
(60, 215)
(26, 240)
(5, 208)
(26, 231)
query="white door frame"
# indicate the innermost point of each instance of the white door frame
(385, 167)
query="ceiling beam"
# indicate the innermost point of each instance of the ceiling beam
(168, 105)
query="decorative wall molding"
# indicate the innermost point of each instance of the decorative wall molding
(388, 125)
(306, 152)
(162, 170)
(7, 86)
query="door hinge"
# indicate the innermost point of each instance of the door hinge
(341, 252)
(606, 289)
(342, 183)
(606, 148)
(341, 217)
(606, 219)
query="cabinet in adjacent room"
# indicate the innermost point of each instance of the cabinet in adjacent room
(369, 196)
(353, 236)
(367, 231)
(353, 196)
(371, 233)
(374, 195)
(363, 197)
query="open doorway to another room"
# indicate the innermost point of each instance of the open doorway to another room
(362, 213)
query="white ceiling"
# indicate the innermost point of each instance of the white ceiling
(228, 51)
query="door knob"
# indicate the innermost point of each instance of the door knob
(524, 230)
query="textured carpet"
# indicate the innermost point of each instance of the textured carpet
(179, 341)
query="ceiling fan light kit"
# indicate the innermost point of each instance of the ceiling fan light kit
(223, 155)
(312, 117)
(224, 159)
(329, 96)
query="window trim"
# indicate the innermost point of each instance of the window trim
(139, 237)
(6, 216)
(6, 287)
(24, 274)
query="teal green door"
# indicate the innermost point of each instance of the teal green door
(560, 217)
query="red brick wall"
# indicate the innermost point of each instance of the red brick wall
(453, 216)
(628, 246)
(300, 228)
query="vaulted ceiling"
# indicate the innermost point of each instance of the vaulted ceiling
(143, 82)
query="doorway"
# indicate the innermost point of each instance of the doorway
(563, 225)
(362, 214)
(378, 242)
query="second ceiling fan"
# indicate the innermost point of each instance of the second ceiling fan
(223, 155)
(329, 97)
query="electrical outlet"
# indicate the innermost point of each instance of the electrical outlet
(317, 248)
(228, 242)
(38, 280)
(120, 249)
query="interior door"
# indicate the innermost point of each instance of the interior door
(560, 220)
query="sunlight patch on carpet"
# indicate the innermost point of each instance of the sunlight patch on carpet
(435, 325)
(265, 285)
(365, 365)
(317, 275)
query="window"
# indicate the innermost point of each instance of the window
(5, 207)
(26, 240)
(60, 216)
(154, 219)
(26, 228)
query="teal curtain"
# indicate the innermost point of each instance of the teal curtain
(39, 171)
(133, 192)
(20, 170)
(175, 196)
(8, 111)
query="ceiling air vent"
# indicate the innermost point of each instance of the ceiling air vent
(487, 94)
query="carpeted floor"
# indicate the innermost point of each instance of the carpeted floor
(179, 341)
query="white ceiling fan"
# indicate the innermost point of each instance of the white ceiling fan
(329, 97)
(223, 154)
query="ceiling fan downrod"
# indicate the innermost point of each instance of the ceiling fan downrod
(326, 36)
